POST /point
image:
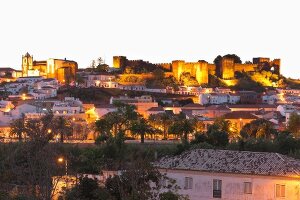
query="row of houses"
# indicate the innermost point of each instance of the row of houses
(32, 87)
(69, 107)
(237, 114)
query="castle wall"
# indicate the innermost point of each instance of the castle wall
(166, 66)
(227, 68)
(260, 60)
(178, 68)
(200, 70)
(202, 73)
(119, 61)
(211, 69)
(245, 67)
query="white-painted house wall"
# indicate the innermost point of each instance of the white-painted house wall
(263, 187)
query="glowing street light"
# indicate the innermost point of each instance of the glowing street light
(61, 160)
(23, 96)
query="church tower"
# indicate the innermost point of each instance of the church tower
(27, 63)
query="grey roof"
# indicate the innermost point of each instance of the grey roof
(237, 162)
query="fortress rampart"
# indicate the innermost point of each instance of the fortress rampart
(225, 69)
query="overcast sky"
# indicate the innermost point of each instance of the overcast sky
(154, 30)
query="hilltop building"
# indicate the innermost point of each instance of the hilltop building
(224, 69)
(62, 69)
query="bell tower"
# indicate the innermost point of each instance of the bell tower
(27, 63)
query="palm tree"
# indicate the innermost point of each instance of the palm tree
(62, 127)
(161, 121)
(141, 127)
(182, 128)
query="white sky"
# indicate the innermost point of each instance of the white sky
(154, 30)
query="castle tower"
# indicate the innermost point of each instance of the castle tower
(27, 63)
(202, 72)
(227, 68)
(177, 68)
(119, 61)
(276, 65)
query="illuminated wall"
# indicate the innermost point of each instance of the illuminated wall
(61, 69)
(119, 61)
(227, 68)
(27, 63)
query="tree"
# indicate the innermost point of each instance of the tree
(79, 79)
(32, 165)
(294, 124)
(141, 127)
(216, 136)
(182, 128)
(141, 181)
(17, 127)
(259, 128)
(161, 121)
(103, 127)
(119, 120)
(62, 127)
(236, 58)
(93, 64)
(87, 189)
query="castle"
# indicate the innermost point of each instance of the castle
(62, 69)
(225, 68)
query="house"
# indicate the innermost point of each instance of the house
(205, 174)
(270, 97)
(214, 111)
(233, 98)
(142, 103)
(44, 92)
(252, 107)
(68, 107)
(102, 79)
(239, 119)
(213, 98)
(102, 110)
(135, 87)
(8, 72)
(248, 97)
(155, 110)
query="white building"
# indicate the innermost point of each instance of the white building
(69, 106)
(52, 82)
(105, 80)
(286, 108)
(135, 87)
(44, 92)
(142, 103)
(102, 110)
(205, 174)
(30, 79)
(218, 98)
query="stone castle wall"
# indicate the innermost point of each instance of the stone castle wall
(200, 70)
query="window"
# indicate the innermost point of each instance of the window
(280, 190)
(247, 187)
(188, 183)
(217, 188)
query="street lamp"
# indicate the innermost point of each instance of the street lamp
(61, 160)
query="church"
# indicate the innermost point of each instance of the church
(62, 69)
